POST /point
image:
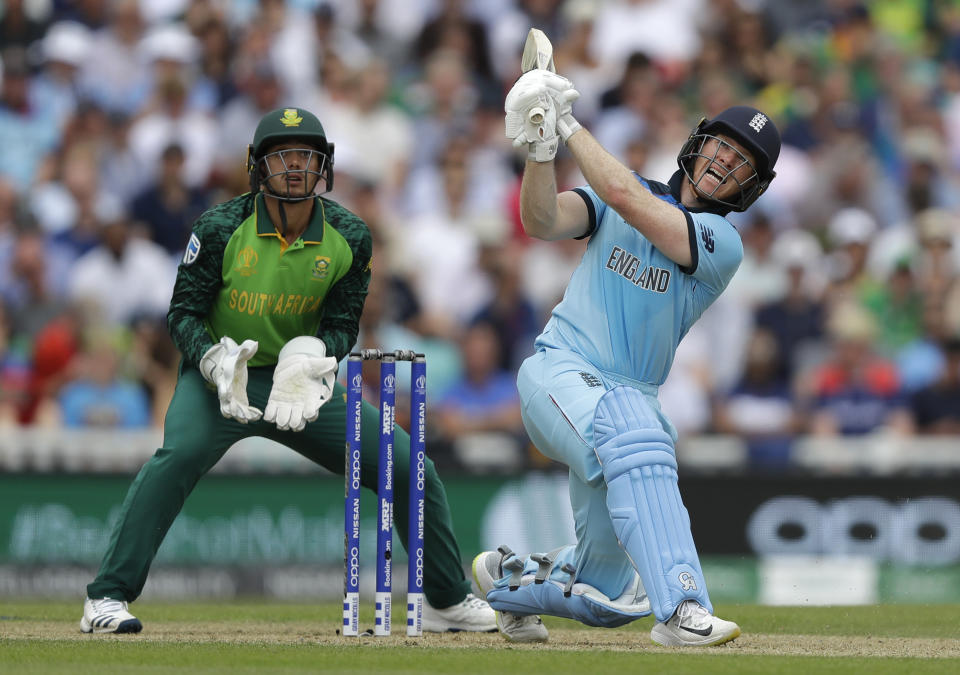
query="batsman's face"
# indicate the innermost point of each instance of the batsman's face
(293, 169)
(723, 168)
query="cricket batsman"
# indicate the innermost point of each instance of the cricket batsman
(658, 255)
(267, 301)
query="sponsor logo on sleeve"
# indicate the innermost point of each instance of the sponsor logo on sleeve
(193, 250)
(706, 235)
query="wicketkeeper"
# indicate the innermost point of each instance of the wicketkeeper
(267, 301)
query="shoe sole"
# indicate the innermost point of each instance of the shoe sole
(128, 626)
(672, 641)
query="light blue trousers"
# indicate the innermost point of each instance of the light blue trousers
(559, 392)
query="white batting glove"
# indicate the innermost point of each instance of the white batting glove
(527, 93)
(302, 382)
(562, 92)
(225, 366)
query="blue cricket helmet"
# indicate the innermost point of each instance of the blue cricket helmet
(752, 129)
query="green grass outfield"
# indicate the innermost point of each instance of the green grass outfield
(39, 636)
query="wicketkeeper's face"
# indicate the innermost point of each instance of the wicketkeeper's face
(293, 169)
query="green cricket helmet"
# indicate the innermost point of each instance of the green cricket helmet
(288, 125)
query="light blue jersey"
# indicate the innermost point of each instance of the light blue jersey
(589, 399)
(627, 305)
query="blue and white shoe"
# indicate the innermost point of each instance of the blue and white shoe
(693, 626)
(107, 615)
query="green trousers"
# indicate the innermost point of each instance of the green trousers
(196, 436)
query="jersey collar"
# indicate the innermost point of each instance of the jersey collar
(315, 228)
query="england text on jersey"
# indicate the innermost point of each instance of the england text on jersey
(628, 266)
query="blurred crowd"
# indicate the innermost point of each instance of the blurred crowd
(122, 120)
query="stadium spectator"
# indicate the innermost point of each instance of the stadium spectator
(18, 26)
(35, 285)
(936, 408)
(897, 306)
(98, 395)
(14, 373)
(442, 101)
(574, 56)
(172, 120)
(451, 226)
(114, 75)
(374, 137)
(26, 133)
(855, 392)
(509, 310)
(760, 408)
(258, 91)
(124, 276)
(168, 207)
(796, 321)
(216, 53)
(479, 414)
(64, 205)
(850, 232)
(56, 89)
(665, 30)
(761, 278)
(452, 27)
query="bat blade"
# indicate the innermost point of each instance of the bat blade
(537, 54)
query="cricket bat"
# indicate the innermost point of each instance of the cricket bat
(537, 54)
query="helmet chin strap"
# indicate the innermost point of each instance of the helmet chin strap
(283, 218)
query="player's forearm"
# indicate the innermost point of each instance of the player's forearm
(340, 324)
(538, 199)
(189, 334)
(663, 224)
(339, 337)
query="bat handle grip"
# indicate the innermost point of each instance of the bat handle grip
(536, 115)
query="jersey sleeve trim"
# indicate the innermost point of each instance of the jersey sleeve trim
(694, 250)
(591, 211)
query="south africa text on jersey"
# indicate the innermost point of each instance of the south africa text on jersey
(627, 265)
(284, 304)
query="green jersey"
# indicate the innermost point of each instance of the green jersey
(240, 278)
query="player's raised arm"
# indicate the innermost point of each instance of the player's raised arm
(660, 222)
(547, 215)
(544, 213)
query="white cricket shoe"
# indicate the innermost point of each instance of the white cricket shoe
(693, 626)
(514, 627)
(107, 615)
(471, 614)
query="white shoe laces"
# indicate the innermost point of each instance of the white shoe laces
(692, 614)
(106, 605)
(473, 602)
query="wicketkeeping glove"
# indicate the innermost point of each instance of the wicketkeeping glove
(302, 382)
(225, 366)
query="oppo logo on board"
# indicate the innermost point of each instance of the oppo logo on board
(924, 530)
